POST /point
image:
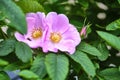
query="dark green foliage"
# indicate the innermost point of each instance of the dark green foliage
(7, 46)
(97, 57)
(23, 52)
(12, 12)
(38, 66)
(4, 76)
(57, 66)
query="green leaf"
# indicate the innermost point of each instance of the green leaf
(84, 61)
(57, 66)
(23, 52)
(84, 3)
(119, 1)
(89, 49)
(114, 25)
(14, 14)
(97, 78)
(52, 1)
(4, 76)
(110, 39)
(77, 67)
(2, 16)
(7, 46)
(3, 62)
(77, 24)
(16, 65)
(38, 66)
(28, 75)
(83, 77)
(103, 49)
(110, 74)
(30, 6)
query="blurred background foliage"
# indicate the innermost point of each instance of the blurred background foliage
(102, 15)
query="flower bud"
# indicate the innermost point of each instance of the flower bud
(83, 32)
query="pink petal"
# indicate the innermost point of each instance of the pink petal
(66, 46)
(57, 23)
(51, 19)
(30, 23)
(35, 20)
(40, 20)
(34, 43)
(83, 31)
(19, 37)
(49, 46)
(31, 43)
(72, 34)
(31, 15)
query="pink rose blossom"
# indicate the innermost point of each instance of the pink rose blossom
(51, 33)
(36, 30)
(61, 34)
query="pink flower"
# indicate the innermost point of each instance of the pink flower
(83, 32)
(61, 34)
(51, 33)
(36, 30)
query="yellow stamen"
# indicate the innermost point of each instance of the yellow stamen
(37, 33)
(55, 37)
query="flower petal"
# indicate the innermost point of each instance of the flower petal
(31, 43)
(30, 23)
(57, 23)
(72, 34)
(40, 20)
(49, 46)
(31, 15)
(35, 20)
(66, 46)
(19, 36)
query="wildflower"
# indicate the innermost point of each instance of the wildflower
(83, 31)
(36, 30)
(61, 35)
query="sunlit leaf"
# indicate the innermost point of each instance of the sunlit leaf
(52, 1)
(28, 75)
(30, 6)
(110, 39)
(114, 25)
(4, 76)
(3, 62)
(85, 47)
(119, 1)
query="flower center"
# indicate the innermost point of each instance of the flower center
(55, 37)
(37, 33)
